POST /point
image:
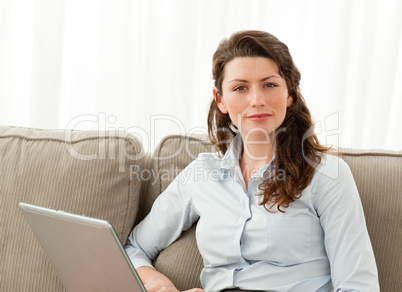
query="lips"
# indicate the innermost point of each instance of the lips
(259, 117)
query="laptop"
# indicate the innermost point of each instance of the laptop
(85, 252)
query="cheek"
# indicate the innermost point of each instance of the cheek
(235, 105)
(235, 113)
(279, 103)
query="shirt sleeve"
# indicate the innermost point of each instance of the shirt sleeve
(171, 214)
(347, 242)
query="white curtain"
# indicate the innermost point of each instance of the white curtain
(144, 66)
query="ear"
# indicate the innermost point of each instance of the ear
(219, 101)
(289, 101)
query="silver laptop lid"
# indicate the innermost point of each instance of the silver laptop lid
(85, 252)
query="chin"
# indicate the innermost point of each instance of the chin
(257, 134)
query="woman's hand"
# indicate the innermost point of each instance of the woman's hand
(155, 281)
(154, 284)
(158, 284)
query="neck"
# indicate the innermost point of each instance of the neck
(257, 152)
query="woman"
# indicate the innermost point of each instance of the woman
(283, 213)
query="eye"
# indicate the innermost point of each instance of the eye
(270, 85)
(239, 88)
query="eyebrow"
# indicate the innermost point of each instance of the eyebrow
(263, 79)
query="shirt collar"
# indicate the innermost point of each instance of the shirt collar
(233, 153)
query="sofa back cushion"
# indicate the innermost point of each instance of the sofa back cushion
(84, 172)
(378, 177)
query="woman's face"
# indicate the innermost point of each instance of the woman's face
(255, 96)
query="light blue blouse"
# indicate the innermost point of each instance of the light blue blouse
(319, 243)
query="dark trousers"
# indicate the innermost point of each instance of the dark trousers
(240, 290)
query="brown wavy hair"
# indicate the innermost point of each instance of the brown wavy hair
(297, 149)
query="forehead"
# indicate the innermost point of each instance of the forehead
(248, 68)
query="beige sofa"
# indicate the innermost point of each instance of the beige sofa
(109, 176)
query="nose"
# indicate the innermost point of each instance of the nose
(257, 98)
